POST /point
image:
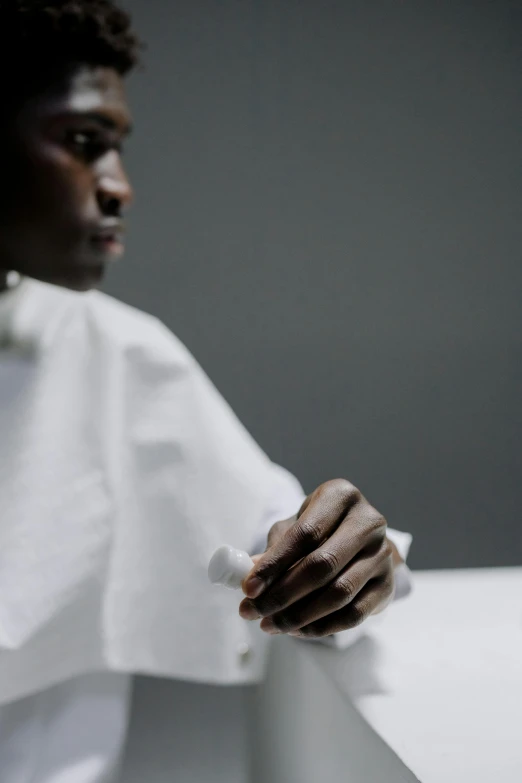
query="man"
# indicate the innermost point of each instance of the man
(121, 467)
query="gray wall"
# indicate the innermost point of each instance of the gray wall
(329, 215)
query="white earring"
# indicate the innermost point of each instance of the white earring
(12, 279)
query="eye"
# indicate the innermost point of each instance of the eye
(81, 138)
(87, 144)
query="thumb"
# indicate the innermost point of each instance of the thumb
(277, 531)
(255, 559)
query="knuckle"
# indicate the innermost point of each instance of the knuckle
(387, 550)
(357, 616)
(265, 568)
(376, 524)
(344, 590)
(388, 585)
(322, 566)
(347, 491)
(308, 535)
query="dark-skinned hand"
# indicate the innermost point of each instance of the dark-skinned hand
(325, 570)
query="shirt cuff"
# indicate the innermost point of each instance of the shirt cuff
(403, 582)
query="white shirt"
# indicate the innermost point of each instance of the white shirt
(121, 470)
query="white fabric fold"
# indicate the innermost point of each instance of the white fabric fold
(122, 469)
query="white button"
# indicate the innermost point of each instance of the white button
(245, 653)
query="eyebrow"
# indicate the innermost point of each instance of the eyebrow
(105, 121)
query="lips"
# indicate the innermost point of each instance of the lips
(109, 230)
(108, 238)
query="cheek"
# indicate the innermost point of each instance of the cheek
(56, 192)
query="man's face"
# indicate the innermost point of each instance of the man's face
(63, 189)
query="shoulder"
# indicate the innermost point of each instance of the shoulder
(121, 324)
(105, 323)
(140, 338)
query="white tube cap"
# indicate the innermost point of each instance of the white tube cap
(229, 566)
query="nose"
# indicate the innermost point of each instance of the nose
(114, 191)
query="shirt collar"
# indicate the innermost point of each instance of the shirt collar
(9, 303)
(29, 315)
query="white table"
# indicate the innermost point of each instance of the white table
(439, 679)
(433, 693)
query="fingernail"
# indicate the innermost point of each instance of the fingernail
(268, 626)
(295, 633)
(248, 611)
(254, 587)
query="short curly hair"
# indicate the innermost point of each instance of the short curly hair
(40, 38)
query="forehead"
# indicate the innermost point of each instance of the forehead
(87, 90)
(91, 88)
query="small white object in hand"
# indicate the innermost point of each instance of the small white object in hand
(229, 566)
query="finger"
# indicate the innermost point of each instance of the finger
(363, 528)
(247, 610)
(324, 512)
(341, 592)
(278, 530)
(376, 593)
